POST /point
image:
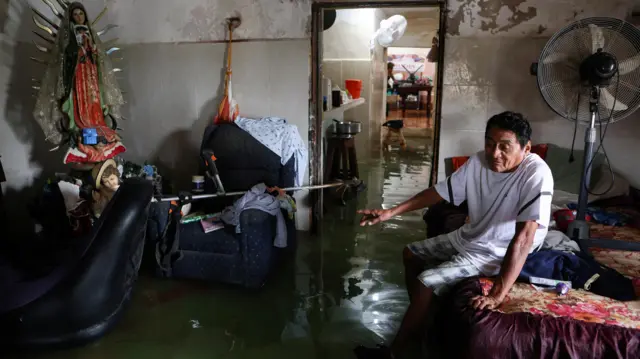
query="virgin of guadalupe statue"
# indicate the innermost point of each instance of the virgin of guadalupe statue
(79, 99)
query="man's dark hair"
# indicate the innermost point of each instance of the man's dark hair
(514, 122)
(390, 65)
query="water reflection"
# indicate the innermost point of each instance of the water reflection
(368, 260)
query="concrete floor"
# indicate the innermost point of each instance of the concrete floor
(345, 287)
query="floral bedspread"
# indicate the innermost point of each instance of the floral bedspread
(577, 304)
(611, 232)
(580, 304)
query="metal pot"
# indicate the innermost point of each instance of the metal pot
(347, 127)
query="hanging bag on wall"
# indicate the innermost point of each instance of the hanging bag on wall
(432, 56)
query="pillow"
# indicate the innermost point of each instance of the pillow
(540, 150)
(457, 162)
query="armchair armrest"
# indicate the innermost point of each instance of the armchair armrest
(256, 245)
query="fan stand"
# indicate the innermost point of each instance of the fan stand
(579, 228)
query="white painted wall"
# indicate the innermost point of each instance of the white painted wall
(350, 35)
(347, 55)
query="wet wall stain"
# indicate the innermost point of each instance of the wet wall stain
(489, 15)
(4, 13)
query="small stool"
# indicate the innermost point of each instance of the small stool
(342, 162)
(394, 135)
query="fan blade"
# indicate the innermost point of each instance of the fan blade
(555, 57)
(607, 100)
(628, 65)
(40, 47)
(49, 21)
(44, 27)
(597, 38)
(106, 29)
(53, 8)
(100, 15)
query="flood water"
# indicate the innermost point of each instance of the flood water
(344, 287)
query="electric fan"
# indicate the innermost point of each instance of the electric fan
(589, 72)
(390, 30)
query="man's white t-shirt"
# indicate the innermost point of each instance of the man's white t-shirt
(496, 202)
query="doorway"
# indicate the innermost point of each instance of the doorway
(342, 51)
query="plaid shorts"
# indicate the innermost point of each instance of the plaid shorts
(446, 266)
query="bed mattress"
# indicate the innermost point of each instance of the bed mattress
(538, 324)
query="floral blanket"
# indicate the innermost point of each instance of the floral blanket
(577, 304)
(580, 304)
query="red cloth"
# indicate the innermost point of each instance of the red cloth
(87, 111)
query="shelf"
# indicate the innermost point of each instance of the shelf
(345, 107)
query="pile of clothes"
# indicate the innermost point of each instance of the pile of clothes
(260, 197)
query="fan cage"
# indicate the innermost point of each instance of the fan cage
(558, 74)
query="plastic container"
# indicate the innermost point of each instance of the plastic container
(354, 87)
(336, 99)
(197, 183)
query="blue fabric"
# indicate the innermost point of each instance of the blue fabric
(578, 269)
(602, 216)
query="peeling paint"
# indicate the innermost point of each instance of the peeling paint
(494, 15)
(525, 17)
(541, 29)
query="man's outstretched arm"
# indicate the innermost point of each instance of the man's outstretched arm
(511, 266)
(426, 198)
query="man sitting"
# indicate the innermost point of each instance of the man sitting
(508, 191)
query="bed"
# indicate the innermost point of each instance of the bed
(538, 324)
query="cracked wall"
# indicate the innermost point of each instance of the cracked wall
(525, 17)
(489, 48)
